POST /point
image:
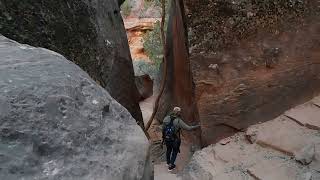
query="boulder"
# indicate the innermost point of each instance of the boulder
(145, 86)
(88, 33)
(57, 123)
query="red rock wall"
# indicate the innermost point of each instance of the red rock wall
(179, 89)
(267, 54)
(247, 92)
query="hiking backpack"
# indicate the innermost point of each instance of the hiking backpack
(169, 131)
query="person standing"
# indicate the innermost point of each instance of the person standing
(172, 125)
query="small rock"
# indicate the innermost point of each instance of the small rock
(306, 155)
(225, 141)
(251, 135)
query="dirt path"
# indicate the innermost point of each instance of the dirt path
(146, 107)
(160, 169)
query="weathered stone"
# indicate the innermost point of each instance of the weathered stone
(307, 115)
(234, 175)
(88, 33)
(57, 123)
(230, 161)
(217, 24)
(275, 169)
(267, 157)
(245, 92)
(305, 155)
(283, 134)
(316, 101)
(315, 164)
(145, 86)
(137, 28)
(179, 88)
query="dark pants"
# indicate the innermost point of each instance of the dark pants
(173, 148)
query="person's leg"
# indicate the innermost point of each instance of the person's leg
(175, 152)
(169, 152)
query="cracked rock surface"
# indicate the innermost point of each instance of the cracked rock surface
(280, 149)
(57, 123)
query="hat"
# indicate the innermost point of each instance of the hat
(176, 109)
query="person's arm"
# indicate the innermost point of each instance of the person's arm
(185, 126)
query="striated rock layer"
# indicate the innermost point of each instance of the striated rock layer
(57, 123)
(251, 60)
(89, 33)
(280, 149)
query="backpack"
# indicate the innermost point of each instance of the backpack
(169, 131)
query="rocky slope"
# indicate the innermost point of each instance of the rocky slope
(89, 33)
(281, 149)
(57, 123)
(251, 60)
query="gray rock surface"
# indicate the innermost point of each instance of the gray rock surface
(57, 123)
(280, 149)
(89, 33)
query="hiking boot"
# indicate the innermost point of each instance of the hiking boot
(172, 167)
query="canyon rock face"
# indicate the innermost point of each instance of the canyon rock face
(251, 60)
(179, 87)
(136, 30)
(57, 123)
(88, 33)
(145, 86)
(139, 17)
(278, 149)
(141, 9)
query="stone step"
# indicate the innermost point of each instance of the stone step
(316, 101)
(307, 114)
(276, 169)
(283, 134)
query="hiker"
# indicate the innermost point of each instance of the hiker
(172, 124)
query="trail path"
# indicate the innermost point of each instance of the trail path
(160, 169)
(288, 146)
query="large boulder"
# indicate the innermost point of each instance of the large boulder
(88, 33)
(57, 123)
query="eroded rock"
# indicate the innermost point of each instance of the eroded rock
(145, 86)
(259, 45)
(283, 134)
(57, 123)
(88, 33)
(280, 149)
(307, 114)
(306, 155)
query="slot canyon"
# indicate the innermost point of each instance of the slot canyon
(80, 82)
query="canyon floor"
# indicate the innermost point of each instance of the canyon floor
(285, 148)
